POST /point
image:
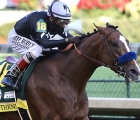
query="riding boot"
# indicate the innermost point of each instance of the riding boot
(14, 72)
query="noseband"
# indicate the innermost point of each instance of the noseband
(116, 66)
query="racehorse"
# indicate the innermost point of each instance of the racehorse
(56, 88)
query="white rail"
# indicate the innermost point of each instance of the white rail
(114, 106)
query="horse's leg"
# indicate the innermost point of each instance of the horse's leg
(9, 116)
(82, 107)
(50, 102)
(45, 110)
(39, 102)
(47, 104)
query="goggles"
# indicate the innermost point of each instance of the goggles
(62, 21)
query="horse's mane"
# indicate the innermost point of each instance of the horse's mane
(87, 34)
(95, 31)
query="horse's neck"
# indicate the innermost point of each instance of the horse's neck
(72, 66)
(89, 47)
(78, 68)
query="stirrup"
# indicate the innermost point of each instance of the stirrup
(8, 81)
(12, 76)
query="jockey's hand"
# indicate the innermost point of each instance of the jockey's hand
(75, 40)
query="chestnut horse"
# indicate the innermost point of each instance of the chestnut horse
(56, 88)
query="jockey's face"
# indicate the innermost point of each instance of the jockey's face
(62, 22)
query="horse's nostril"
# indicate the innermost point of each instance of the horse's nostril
(134, 72)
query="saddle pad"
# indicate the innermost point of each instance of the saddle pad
(11, 100)
(7, 95)
(4, 66)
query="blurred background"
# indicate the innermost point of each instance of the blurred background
(122, 13)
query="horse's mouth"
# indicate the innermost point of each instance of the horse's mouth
(132, 75)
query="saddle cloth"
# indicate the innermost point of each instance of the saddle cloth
(11, 100)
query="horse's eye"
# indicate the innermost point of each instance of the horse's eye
(115, 45)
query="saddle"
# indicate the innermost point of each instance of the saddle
(12, 100)
(7, 63)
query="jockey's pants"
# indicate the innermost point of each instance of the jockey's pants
(23, 45)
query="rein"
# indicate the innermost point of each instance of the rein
(116, 67)
(94, 60)
(110, 51)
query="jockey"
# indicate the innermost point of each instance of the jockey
(34, 33)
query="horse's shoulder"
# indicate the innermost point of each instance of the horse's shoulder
(51, 55)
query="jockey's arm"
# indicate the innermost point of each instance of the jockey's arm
(46, 43)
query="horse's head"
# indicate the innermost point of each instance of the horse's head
(115, 51)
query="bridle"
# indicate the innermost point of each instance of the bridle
(116, 66)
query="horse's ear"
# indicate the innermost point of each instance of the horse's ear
(107, 24)
(111, 26)
(100, 29)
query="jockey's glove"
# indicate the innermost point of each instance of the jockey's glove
(75, 40)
